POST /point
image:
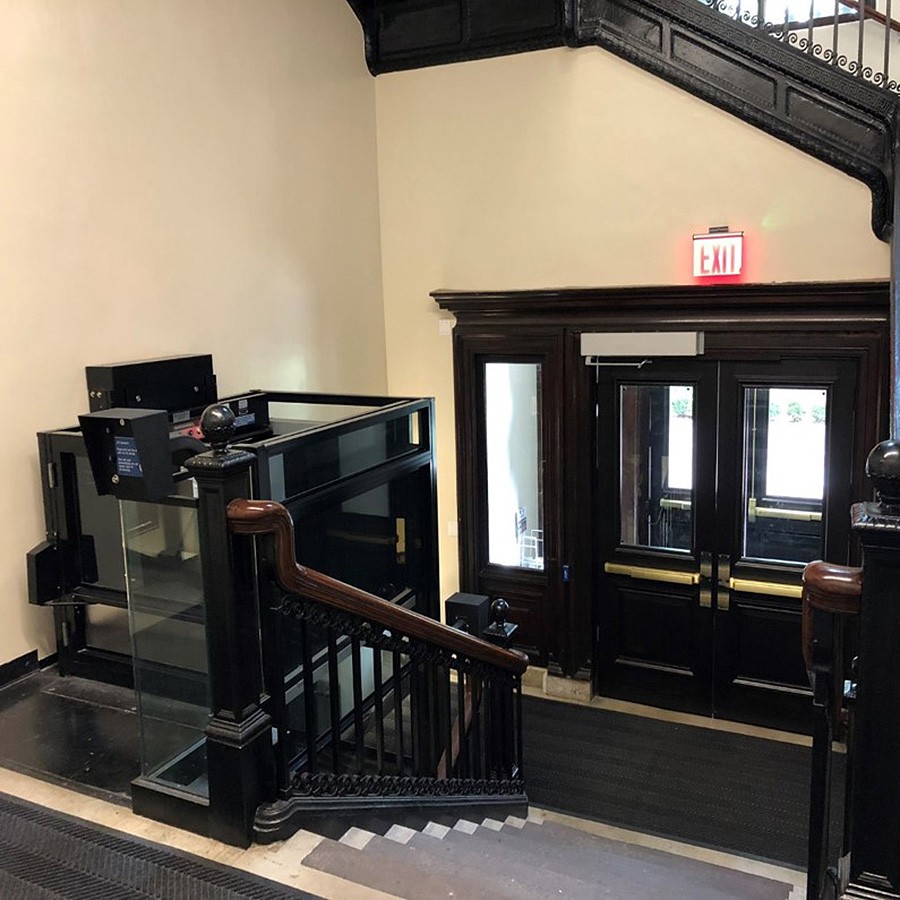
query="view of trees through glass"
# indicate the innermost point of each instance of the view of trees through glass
(795, 442)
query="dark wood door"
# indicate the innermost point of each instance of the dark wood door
(510, 389)
(716, 482)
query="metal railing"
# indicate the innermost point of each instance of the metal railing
(370, 700)
(858, 36)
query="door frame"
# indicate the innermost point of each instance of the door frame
(534, 596)
(706, 646)
(740, 322)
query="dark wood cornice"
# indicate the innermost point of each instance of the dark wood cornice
(268, 517)
(826, 302)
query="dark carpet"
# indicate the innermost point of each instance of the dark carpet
(46, 855)
(727, 791)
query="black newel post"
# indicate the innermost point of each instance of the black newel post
(875, 811)
(238, 736)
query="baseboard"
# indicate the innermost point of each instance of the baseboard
(48, 661)
(567, 689)
(534, 677)
(331, 817)
(17, 668)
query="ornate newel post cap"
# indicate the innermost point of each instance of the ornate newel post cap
(217, 425)
(883, 468)
(500, 631)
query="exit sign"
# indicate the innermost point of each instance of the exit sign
(718, 254)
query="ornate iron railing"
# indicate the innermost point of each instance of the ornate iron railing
(371, 701)
(858, 36)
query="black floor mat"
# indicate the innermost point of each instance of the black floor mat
(45, 855)
(729, 791)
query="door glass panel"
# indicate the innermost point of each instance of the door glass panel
(657, 465)
(514, 470)
(784, 472)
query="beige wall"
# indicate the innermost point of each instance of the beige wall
(176, 176)
(575, 168)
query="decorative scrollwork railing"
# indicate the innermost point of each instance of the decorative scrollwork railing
(858, 36)
(371, 699)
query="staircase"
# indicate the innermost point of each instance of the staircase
(380, 714)
(523, 858)
(821, 75)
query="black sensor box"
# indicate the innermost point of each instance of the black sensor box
(174, 384)
(471, 612)
(129, 453)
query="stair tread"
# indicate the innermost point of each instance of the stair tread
(540, 857)
(571, 840)
(536, 860)
(396, 869)
(513, 879)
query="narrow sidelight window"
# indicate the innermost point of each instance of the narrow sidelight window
(514, 464)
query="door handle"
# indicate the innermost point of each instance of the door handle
(755, 512)
(668, 503)
(707, 574)
(645, 573)
(724, 579)
(747, 586)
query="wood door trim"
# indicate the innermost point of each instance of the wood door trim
(741, 322)
(835, 304)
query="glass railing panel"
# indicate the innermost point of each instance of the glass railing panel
(168, 632)
(318, 459)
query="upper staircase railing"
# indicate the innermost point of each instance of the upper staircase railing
(376, 708)
(773, 76)
(858, 36)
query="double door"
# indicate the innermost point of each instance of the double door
(716, 481)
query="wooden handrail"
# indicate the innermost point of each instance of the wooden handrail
(830, 588)
(270, 517)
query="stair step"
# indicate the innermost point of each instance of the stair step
(539, 856)
(436, 830)
(515, 873)
(465, 826)
(404, 872)
(400, 834)
(526, 859)
(357, 838)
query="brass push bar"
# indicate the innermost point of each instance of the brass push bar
(648, 574)
(669, 503)
(755, 512)
(771, 588)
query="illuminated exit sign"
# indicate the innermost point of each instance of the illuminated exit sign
(718, 253)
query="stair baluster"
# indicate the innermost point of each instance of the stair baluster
(453, 697)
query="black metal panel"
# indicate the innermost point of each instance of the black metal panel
(835, 117)
(497, 17)
(419, 26)
(628, 23)
(755, 85)
(410, 34)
